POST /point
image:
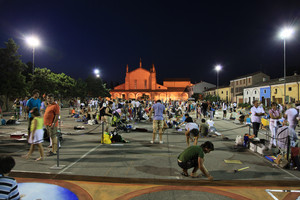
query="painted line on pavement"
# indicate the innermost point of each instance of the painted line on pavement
(93, 149)
(23, 171)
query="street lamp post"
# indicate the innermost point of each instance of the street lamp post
(218, 68)
(33, 42)
(284, 34)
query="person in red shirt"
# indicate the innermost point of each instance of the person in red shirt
(51, 122)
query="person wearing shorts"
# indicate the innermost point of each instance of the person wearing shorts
(193, 157)
(158, 110)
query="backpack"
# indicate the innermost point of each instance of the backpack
(3, 122)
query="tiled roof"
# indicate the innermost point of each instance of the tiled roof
(276, 81)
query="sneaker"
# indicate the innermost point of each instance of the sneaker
(151, 141)
(161, 142)
(51, 153)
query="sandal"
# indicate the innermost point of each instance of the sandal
(39, 159)
(26, 156)
(195, 175)
(184, 174)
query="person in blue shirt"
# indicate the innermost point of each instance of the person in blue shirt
(158, 109)
(33, 102)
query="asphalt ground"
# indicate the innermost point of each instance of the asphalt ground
(84, 158)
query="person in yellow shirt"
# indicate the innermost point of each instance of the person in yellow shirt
(37, 134)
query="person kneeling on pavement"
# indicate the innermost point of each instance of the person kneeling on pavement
(193, 157)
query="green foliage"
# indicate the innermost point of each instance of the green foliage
(196, 96)
(16, 79)
(244, 105)
(12, 82)
(211, 98)
(96, 88)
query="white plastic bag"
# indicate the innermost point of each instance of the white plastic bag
(239, 140)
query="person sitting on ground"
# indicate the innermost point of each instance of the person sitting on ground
(203, 128)
(73, 112)
(193, 157)
(184, 119)
(192, 131)
(8, 185)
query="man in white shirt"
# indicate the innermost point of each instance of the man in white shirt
(192, 131)
(291, 116)
(256, 114)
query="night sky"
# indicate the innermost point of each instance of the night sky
(184, 39)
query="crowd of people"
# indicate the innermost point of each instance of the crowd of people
(197, 117)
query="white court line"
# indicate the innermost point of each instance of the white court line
(272, 195)
(93, 149)
(30, 171)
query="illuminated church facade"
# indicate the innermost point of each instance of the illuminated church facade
(141, 84)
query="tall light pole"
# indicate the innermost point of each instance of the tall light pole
(33, 42)
(284, 34)
(218, 68)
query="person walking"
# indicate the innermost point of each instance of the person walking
(193, 157)
(36, 135)
(256, 114)
(158, 120)
(51, 122)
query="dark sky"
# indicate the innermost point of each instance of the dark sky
(184, 39)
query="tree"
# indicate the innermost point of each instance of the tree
(196, 96)
(96, 88)
(211, 98)
(44, 80)
(80, 89)
(12, 82)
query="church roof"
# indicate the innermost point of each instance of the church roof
(177, 79)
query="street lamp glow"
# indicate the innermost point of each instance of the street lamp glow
(33, 41)
(97, 75)
(286, 33)
(218, 68)
(96, 71)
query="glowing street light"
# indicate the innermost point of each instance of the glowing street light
(97, 72)
(284, 34)
(218, 68)
(33, 42)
